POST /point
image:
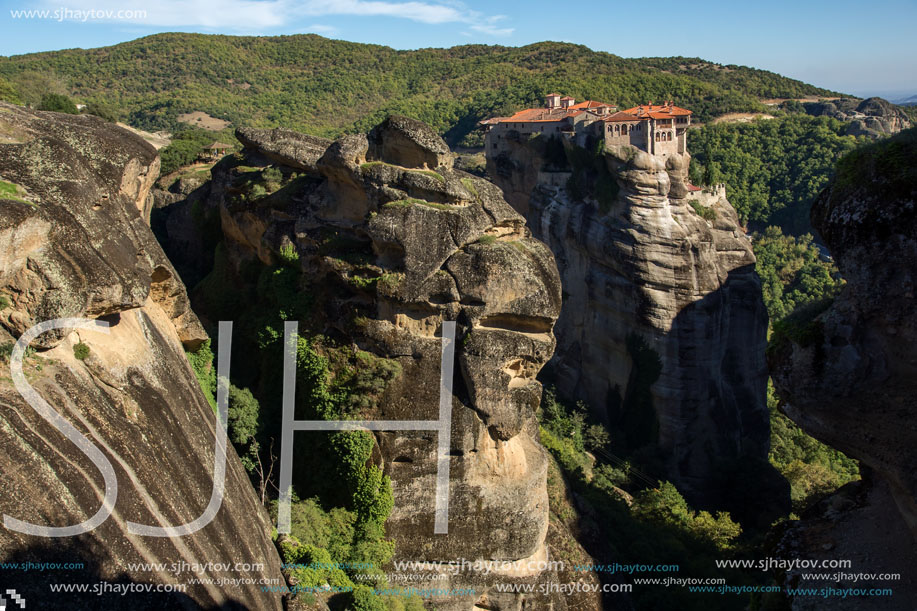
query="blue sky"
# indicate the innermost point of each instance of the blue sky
(856, 47)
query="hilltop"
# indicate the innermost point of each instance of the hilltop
(328, 87)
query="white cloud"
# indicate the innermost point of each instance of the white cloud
(326, 30)
(265, 14)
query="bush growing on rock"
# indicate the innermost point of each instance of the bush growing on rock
(56, 102)
(81, 351)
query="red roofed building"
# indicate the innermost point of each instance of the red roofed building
(561, 116)
(657, 129)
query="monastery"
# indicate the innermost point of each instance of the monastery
(657, 129)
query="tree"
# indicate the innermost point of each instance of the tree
(596, 437)
(103, 111)
(56, 102)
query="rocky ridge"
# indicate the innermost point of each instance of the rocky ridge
(663, 327)
(872, 117)
(393, 241)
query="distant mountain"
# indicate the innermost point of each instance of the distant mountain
(908, 101)
(326, 87)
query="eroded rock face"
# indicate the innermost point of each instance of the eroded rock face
(872, 117)
(284, 146)
(648, 279)
(75, 244)
(416, 243)
(849, 377)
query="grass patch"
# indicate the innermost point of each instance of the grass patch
(431, 174)
(486, 240)
(4, 302)
(403, 203)
(13, 192)
(469, 186)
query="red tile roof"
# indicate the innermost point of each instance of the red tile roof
(539, 115)
(662, 111)
(590, 104)
(622, 115)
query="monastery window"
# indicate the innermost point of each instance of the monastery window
(670, 136)
(624, 130)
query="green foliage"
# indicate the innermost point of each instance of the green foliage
(6, 350)
(102, 110)
(888, 167)
(56, 102)
(364, 599)
(4, 302)
(595, 437)
(202, 363)
(81, 351)
(487, 240)
(792, 272)
(563, 422)
(773, 169)
(288, 254)
(319, 86)
(812, 468)
(243, 415)
(605, 477)
(652, 525)
(11, 191)
(665, 506)
(187, 145)
(702, 211)
(8, 93)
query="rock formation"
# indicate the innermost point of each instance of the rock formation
(73, 243)
(848, 375)
(395, 242)
(663, 327)
(872, 117)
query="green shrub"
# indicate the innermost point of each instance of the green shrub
(4, 302)
(288, 254)
(486, 240)
(6, 350)
(202, 363)
(81, 351)
(56, 102)
(702, 211)
(666, 507)
(103, 111)
(364, 599)
(242, 414)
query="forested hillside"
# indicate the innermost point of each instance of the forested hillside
(774, 168)
(326, 87)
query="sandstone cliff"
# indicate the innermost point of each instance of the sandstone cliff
(848, 374)
(73, 243)
(391, 242)
(663, 327)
